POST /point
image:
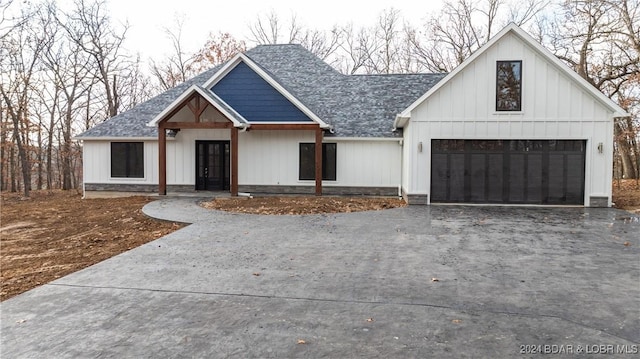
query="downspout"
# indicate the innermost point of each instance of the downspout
(84, 191)
(399, 122)
(401, 143)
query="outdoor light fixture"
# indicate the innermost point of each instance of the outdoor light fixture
(600, 147)
(173, 132)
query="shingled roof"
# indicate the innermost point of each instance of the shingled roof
(354, 105)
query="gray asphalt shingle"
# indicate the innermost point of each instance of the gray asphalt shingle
(355, 105)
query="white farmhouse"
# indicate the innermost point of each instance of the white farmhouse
(511, 125)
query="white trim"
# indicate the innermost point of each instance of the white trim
(257, 69)
(400, 121)
(372, 139)
(207, 96)
(508, 113)
(282, 123)
(122, 139)
(524, 36)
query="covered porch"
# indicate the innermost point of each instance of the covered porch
(198, 109)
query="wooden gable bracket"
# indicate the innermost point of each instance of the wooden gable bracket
(199, 106)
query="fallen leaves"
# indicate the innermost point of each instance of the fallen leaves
(302, 205)
(370, 320)
(434, 279)
(301, 341)
(256, 274)
(456, 321)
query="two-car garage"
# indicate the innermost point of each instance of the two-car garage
(508, 171)
(511, 125)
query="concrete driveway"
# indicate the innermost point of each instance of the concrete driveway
(441, 281)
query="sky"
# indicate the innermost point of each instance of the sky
(148, 18)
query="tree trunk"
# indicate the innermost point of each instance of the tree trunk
(12, 169)
(66, 149)
(49, 157)
(25, 167)
(625, 151)
(4, 168)
(39, 158)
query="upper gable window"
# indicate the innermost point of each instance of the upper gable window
(509, 86)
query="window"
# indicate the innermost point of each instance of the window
(127, 159)
(308, 161)
(509, 86)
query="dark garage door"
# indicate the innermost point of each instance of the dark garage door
(513, 171)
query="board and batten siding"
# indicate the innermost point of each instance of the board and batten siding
(254, 98)
(96, 158)
(272, 158)
(554, 106)
(268, 158)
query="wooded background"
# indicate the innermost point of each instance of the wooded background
(62, 72)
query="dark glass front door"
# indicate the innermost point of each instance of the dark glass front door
(212, 165)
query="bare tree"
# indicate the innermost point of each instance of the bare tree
(269, 29)
(385, 51)
(354, 48)
(134, 87)
(176, 68)
(69, 68)
(463, 26)
(90, 28)
(182, 65)
(599, 40)
(20, 54)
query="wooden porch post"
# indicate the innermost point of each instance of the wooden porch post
(162, 152)
(318, 150)
(234, 161)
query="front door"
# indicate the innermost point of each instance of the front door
(212, 165)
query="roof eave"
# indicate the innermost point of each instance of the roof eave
(400, 121)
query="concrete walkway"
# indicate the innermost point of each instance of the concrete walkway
(441, 281)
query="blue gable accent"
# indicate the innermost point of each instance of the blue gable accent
(253, 98)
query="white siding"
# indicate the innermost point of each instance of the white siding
(265, 158)
(97, 163)
(367, 164)
(553, 107)
(272, 158)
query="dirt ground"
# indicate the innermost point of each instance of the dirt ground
(55, 233)
(302, 205)
(626, 195)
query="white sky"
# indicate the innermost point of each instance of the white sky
(148, 18)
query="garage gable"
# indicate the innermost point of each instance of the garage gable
(548, 88)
